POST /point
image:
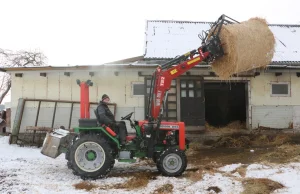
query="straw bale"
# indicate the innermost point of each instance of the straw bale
(247, 45)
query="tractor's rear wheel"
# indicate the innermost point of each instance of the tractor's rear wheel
(91, 157)
(172, 162)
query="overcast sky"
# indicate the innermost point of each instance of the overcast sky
(72, 32)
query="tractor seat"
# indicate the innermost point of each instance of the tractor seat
(130, 137)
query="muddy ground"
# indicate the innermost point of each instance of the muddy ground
(207, 157)
(247, 148)
(232, 148)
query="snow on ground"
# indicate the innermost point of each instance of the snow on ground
(229, 168)
(288, 175)
(26, 170)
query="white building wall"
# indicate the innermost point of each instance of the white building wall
(275, 112)
(264, 110)
(272, 116)
(57, 86)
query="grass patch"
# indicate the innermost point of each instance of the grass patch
(215, 189)
(164, 189)
(137, 180)
(241, 170)
(196, 174)
(85, 186)
(260, 186)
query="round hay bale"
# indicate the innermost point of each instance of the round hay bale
(247, 45)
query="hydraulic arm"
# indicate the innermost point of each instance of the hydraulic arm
(210, 50)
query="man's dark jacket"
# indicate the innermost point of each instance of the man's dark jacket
(106, 116)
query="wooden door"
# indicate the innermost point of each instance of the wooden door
(192, 105)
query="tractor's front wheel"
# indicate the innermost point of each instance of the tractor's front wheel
(172, 162)
(91, 157)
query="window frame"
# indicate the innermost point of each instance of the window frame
(132, 88)
(281, 83)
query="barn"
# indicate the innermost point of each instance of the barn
(49, 96)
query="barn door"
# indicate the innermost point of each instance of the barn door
(192, 103)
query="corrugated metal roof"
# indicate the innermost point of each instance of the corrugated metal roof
(128, 62)
(168, 39)
(77, 67)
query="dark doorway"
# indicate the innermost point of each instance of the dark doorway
(192, 102)
(224, 103)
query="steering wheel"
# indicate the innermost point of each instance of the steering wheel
(127, 117)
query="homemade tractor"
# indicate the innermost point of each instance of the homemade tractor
(92, 148)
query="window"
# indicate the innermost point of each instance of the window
(138, 89)
(183, 84)
(191, 84)
(280, 89)
(183, 93)
(198, 93)
(191, 93)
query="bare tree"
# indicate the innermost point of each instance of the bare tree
(21, 58)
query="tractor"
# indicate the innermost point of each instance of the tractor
(92, 148)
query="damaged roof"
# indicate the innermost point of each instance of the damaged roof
(167, 39)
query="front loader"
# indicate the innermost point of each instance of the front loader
(92, 148)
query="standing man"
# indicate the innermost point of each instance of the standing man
(107, 118)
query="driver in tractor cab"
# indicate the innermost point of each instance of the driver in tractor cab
(107, 118)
